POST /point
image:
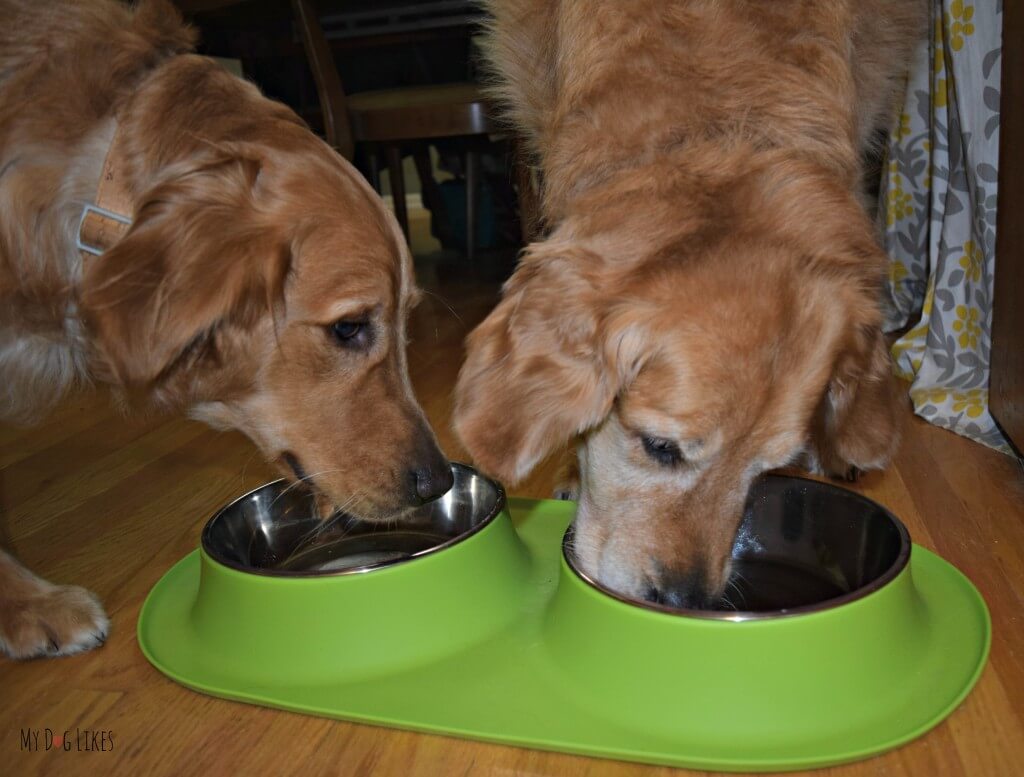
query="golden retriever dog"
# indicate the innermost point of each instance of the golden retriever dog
(705, 304)
(260, 286)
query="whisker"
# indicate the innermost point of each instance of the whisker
(246, 465)
(444, 302)
(325, 525)
(734, 583)
(305, 480)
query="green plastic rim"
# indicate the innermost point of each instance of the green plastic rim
(524, 652)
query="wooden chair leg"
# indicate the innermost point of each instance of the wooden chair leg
(472, 186)
(373, 163)
(529, 207)
(527, 193)
(432, 194)
(328, 83)
(398, 188)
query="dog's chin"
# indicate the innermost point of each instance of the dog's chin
(602, 568)
(328, 501)
(623, 580)
(600, 556)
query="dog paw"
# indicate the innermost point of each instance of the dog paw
(831, 466)
(52, 621)
(849, 473)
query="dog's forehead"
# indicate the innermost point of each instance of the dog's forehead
(338, 265)
(735, 367)
(347, 242)
(684, 391)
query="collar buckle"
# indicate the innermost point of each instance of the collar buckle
(103, 213)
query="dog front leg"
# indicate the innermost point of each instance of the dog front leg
(39, 618)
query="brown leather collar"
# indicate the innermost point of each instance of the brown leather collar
(106, 221)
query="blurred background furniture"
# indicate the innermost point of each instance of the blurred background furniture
(396, 121)
(391, 84)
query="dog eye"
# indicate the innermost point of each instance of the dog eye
(351, 334)
(663, 451)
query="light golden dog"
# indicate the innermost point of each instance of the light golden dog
(705, 305)
(261, 285)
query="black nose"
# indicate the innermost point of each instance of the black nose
(431, 474)
(683, 590)
(432, 481)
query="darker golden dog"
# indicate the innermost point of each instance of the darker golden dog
(705, 305)
(261, 285)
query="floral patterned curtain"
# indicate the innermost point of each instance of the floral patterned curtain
(939, 189)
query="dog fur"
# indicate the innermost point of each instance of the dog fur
(710, 280)
(250, 240)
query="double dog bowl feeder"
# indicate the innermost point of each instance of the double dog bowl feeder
(470, 619)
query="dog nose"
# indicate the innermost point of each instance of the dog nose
(683, 590)
(431, 475)
(432, 481)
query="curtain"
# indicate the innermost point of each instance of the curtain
(939, 208)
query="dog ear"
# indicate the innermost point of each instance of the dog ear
(199, 252)
(535, 375)
(858, 423)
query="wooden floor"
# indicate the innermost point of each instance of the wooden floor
(92, 499)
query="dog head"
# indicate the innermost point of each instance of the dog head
(264, 287)
(693, 342)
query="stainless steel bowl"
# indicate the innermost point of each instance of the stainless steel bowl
(275, 530)
(803, 547)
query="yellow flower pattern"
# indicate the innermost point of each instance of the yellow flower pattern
(934, 396)
(972, 402)
(898, 205)
(967, 325)
(958, 23)
(972, 261)
(939, 216)
(897, 272)
(938, 37)
(929, 302)
(902, 127)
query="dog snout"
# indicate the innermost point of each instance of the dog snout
(430, 475)
(432, 481)
(688, 590)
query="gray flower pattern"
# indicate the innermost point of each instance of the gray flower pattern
(939, 214)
